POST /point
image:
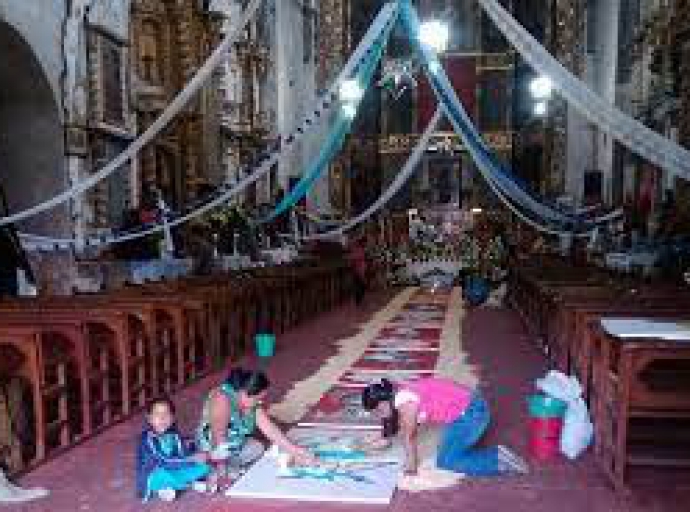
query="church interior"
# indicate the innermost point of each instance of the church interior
(324, 254)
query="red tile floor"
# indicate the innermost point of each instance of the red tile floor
(98, 475)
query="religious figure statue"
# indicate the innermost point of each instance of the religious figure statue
(149, 59)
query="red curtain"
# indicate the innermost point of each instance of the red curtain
(649, 186)
(461, 71)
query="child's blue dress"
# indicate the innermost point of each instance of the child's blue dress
(164, 463)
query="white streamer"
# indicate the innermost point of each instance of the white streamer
(438, 79)
(399, 181)
(628, 131)
(175, 107)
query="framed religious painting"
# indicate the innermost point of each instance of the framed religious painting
(108, 71)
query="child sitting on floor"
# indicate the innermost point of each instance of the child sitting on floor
(164, 465)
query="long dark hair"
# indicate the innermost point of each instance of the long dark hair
(379, 392)
(252, 382)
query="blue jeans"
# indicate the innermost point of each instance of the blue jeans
(179, 479)
(457, 450)
(8, 285)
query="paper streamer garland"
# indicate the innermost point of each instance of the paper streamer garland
(401, 178)
(488, 167)
(264, 162)
(176, 106)
(628, 131)
(336, 137)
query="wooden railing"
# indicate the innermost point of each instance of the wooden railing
(89, 361)
(628, 385)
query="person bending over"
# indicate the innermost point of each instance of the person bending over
(231, 414)
(406, 407)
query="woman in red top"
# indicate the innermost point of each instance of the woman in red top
(358, 262)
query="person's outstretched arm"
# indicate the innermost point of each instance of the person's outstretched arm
(276, 436)
(408, 429)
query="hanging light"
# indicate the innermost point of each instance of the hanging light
(540, 109)
(541, 87)
(349, 110)
(434, 34)
(351, 91)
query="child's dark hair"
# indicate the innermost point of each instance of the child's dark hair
(251, 382)
(161, 400)
(379, 392)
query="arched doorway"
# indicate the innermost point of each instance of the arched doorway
(31, 135)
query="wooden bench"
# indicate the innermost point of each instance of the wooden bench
(113, 346)
(575, 339)
(638, 382)
(91, 360)
(49, 356)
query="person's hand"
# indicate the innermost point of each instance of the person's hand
(376, 444)
(202, 457)
(303, 457)
(220, 453)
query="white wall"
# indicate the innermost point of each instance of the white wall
(588, 147)
(32, 163)
(40, 24)
(296, 95)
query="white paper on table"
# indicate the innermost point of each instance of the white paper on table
(647, 328)
(264, 480)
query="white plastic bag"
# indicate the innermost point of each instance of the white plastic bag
(578, 430)
(24, 287)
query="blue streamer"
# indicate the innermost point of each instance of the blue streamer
(336, 137)
(497, 174)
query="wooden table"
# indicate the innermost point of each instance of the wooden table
(639, 381)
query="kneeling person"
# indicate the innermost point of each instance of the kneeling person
(432, 400)
(164, 465)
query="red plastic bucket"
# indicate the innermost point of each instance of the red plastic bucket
(544, 437)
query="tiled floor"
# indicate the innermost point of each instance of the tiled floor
(98, 476)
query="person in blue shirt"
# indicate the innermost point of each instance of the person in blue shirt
(165, 466)
(231, 415)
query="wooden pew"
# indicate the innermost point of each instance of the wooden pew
(46, 356)
(123, 347)
(638, 381)
(576, 316)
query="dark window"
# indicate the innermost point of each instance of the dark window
(113, 108)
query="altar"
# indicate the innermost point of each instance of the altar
(433, 272)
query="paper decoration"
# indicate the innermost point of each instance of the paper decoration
(347, 475)
(647, 328)
(341, 407)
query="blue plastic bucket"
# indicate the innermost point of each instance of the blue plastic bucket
(265, 345)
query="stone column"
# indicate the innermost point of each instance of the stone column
(607, 14)
(80, 209)
(589, 148)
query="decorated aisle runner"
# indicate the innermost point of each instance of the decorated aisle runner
(407, 346)
(305, 393)
(417, 334)
(423, 339)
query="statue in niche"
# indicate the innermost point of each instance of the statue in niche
(74, 52)
(149, 58)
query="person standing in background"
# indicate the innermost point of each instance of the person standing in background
(12, 256)
(358, 263)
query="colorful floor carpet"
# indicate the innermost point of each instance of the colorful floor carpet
(417, 334)
(98, 475)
